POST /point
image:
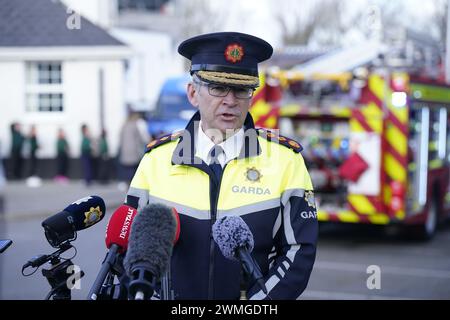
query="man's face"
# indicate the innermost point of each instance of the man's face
(226, 114)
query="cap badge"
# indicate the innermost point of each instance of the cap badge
(253, 175)
(234, 53)
(92, 216)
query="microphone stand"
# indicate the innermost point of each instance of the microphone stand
(57, 276)
(166, 286)
(166, 291)
(105, 270)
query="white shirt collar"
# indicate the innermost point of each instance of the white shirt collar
(231, 146)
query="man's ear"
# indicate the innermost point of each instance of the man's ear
(192, 94)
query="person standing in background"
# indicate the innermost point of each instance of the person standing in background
(62, 157)
(103, 158)
(86, 155)
(17, 142)
(143, 129)
(33, 147)
(131, 148)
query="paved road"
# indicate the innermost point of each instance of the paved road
(22, 202)
(25, 209)
(29, 241)
(408, 269)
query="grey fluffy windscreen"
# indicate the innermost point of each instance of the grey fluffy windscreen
(151, 239)
(231, 233)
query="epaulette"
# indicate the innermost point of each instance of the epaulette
(289, 143)
(162, 140)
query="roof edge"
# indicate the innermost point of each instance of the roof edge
(65, 52)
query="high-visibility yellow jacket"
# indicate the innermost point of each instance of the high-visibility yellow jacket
(268, 186)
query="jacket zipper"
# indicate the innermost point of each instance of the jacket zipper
(212, 242)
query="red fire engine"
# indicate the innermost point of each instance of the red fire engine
(376, 142)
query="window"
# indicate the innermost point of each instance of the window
(45, 102)
(44, 87)
(420, 151)
(143, 5)
(434, 136)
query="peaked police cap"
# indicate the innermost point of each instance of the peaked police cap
(226, 57)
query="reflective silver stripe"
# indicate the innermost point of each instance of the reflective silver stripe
(292, 252)
(290, 238)
(276, 225)
(182, 209)
(273, 280)
(142, 194)
(270, 284)
(281, 272)
(289, 232)
(272, 254)
(291, 193)
(251, 208)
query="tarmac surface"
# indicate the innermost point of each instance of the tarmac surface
(22, 202)
(24, 208)
(348, 256)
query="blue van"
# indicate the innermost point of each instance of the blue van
(173, 109)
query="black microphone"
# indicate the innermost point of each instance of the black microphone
(235, 241)
(150, 247)
(79, 215)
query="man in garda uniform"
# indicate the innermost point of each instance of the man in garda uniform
(220, 165)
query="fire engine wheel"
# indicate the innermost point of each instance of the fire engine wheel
(427, 230)
(431, 222)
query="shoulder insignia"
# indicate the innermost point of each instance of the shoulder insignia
(162, 140)
(275, 137)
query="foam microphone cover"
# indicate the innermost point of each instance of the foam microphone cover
(119, 227)
(231, 233)
(151, 240)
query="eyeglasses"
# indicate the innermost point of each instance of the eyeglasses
(218, 90)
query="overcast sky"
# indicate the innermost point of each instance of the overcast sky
(255, 16)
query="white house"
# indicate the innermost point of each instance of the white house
(57, 69)
(154, 55)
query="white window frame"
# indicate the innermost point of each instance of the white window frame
(44, 96)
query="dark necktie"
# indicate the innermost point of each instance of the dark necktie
(214, 164)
